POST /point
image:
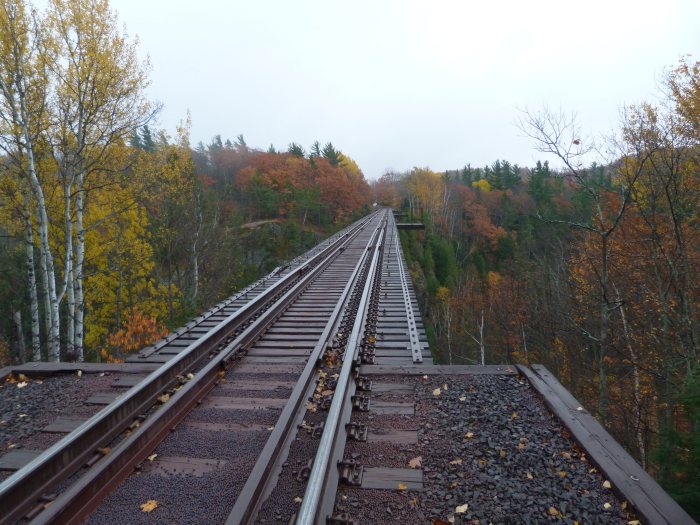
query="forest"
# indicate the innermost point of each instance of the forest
(591, 269)
(112, 231)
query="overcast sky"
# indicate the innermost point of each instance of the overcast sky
(397, 84)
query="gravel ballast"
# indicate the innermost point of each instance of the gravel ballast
(490, 452)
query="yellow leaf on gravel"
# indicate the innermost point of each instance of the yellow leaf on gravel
(521, 446)
(311, 407)
(152, 457)
(402, 486)
(437, 391)
(80, 373)
(21, 384)
(502, 453)
(563, 473)
(634, 522)
(297, 499)
(457, 461)
(514, 415)
(463, 398)
(606, 484)
(444, 387)
(606, 505)
(529, 476)
(164, 398)
(566, 455)
(553, 512)
(149, 506)
(416, 462)
(462, 508)
(22, 377)
(469, 435)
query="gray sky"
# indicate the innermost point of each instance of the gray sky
(397, 84)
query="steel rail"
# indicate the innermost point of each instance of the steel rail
(323, 479)
(416, 350)
(262, 479)
(25, 490)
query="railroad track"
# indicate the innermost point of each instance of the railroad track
(269, 407)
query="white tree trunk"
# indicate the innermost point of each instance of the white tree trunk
(482, 348)
(68, 288)
(78, 270)
(31, 280)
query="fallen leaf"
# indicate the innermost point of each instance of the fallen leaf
(623, 505)
(190, 376)
(271, 428)
(297, 499)
(634, 522)
(152, 457)
(457, 461)
(514, 415)
(22, 415)
(592, 471)
(580, 409)
(529, 476)
(335, 376)
(462, 508)
(444, 387)
(553, 511)
(502, 453)
(521, 446)
(149, 506)
(414, 502)
(22, 384)
(22, 377)
(402, 486)
(463, 398)
(416, 462)
(607, 484)
(11, 445)
(311, 407)
(102, 374)
(453, 485)
(606, 505)
(437, 391)
(566, 455)
(425, 377)
(80, 373)
(563, 474)
(469, 435)
(164, 398)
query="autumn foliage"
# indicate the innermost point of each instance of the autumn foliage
(138, 330)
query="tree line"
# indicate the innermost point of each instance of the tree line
(112, 231)
(590, 268)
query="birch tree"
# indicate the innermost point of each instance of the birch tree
(24, 92)
(99, 102)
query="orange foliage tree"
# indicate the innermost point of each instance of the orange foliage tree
(138, 330)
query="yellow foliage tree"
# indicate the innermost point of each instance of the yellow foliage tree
(120, 261)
